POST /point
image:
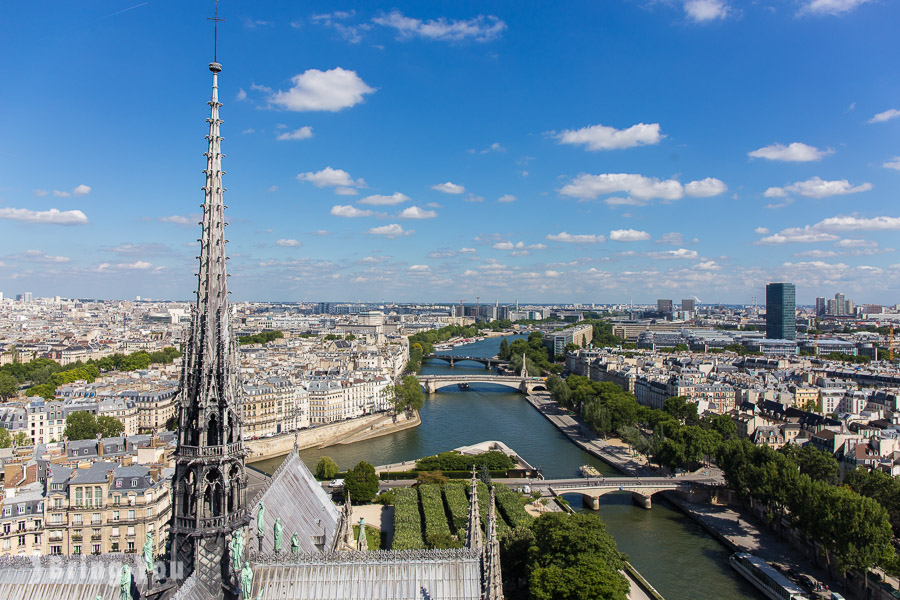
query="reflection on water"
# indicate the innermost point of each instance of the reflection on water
(678, 558)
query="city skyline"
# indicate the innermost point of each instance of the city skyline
(396, 154)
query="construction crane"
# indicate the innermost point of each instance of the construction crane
(891, 344)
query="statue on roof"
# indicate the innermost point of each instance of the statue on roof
(246, 580)
(279, 534)
(295, 544)
(147, 552)
(125, 583)
(260, 519)
(236, 550)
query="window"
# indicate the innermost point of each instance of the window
(37, 523)
(76, 550)
(76, 519)
(115, 515)
(7, 511)
(131, 531)
(21, 540)
(150, 512)
(116, 499)
(78, 494)
(6, 528)
(55, 550)
(95, 518)
(118, 483)
(95, 549)
(21, 525)
(37, 540)
(131, 515)
(98, 496)
(21, 508)
(114, 547)
(114, 532)
(130, 547)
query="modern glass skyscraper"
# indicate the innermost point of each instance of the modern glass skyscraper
(781, 311)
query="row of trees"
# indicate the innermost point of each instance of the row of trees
(82, 425)
(261, 338)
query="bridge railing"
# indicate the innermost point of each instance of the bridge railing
(619, 484)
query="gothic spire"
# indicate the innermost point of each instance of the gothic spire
(473, 526)
(492, 577)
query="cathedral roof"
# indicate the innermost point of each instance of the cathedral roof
(66, 578)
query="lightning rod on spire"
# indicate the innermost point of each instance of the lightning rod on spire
(214, 66)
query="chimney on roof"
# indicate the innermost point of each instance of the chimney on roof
(99, 446)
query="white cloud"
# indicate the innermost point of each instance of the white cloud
(849, 243)
(708, 265)
(349, 211)
(304, 133)
(241, 95)
(390, 231)
(506, 245)
(248, 131)
(41, 193)
(887, 115)
(894, 163)
(817, 254)
(180, 219)
(140, 265)
(506, 198)
(674, 238)
(859, 224)
(419, 268)
(81, 190)
(329, 177)
(628, 201)
(798, 235)
(52, 216)
(762, 231)
(830, 7)
(60, 194)
(817, 187)
(467, 250)
(449, 188)
(601, 137)
(705, 188)
(474, 198)
(681, 253)
(288, 243)
(377, 200)
(480, 28)
(794, 152)
(345, 191)
(330, 90)
(321, 232)
(701, 11)
(581, 238)
(414, 212)
(628, 235)
(642, 188)
(273, 188)
(39, 257)
(551, 273)
(823, 231)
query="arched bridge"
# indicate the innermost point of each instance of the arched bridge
(452, 358)
(526, 385)
(641, 488)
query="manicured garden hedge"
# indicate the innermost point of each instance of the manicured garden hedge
(511, 506)
(454, 461)
(433, 509)
(407, 521)
(458, 506)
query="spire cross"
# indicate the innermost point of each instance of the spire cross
(215, 19)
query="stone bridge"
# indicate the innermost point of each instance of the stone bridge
(526, 385)
(642, 488)
(451, 358)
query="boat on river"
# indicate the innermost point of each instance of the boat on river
(589, 471)
(463, 386)
(766, 578)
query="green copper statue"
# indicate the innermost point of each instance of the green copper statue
(147, 552)
(246, 581)
(279, 534)
(260, 520)
(125, 583)
(236, 549)
(295, 544)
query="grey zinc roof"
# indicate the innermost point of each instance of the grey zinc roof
(69, 578)
(97, 473)
(447, 575)
(293, 494)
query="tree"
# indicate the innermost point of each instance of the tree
(503, 353)
(81, 425)
(21, 439)
(408, 395)
(171, 424)
(361, 483)
(326, 468)
(5, 438)
(681, 408)
(9, 387)
(109, 426)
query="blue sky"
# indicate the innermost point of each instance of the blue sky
(602, 152)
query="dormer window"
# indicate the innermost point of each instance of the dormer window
(134, 482)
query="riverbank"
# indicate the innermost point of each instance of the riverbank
(344, 432)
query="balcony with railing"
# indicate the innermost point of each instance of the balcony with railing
(209, 451)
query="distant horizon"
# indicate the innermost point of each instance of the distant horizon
(409, 150)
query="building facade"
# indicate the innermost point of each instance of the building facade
(781, 311)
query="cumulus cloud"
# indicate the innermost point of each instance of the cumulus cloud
(681, 253)
(601, 137)
(288, 243)
(349, 211)
(449, 187)
(140, 265)
(480, 29)
(181, 219)
(378, 200)
(829, 7)
(41, 193)
(851, 223)
(81, 190)
(52, 216)
(798, 235)
(887, 115)
(304, 133)
(628, 235)
(419, 268)
(794, 152)
(762, 231)
(817, 187)
(580, 238)
(467, 250)
(894, 163)
(336, 21)
(331, 90)
(329, 177)
(61, 194)
(674, 238)
(707, 265)
(506, 198)
(507, 245)
(588, 187)
(705, 188)
(241, 95)
(701, 11)
(414, 212)
(39, 257)
(391, 231)
(851, 243)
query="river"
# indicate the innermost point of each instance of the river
(679, 559)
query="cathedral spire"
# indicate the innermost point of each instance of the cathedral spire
(492, 577)
(209, 482)
(473, 526)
